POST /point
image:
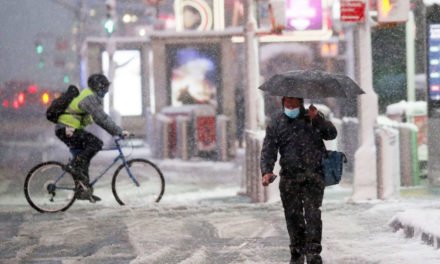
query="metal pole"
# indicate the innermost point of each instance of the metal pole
(81, 17)
(111, 48)
(350, 53)
(252, 68)
(365, 173)
(410, 57)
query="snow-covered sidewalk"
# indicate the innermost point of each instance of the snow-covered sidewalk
(198, 230)
(201, 219)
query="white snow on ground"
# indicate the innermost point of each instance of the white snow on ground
(193, 229)
(202, 220)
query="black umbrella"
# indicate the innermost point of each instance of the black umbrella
(311, 84)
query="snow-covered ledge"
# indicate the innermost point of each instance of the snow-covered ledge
(419, 223)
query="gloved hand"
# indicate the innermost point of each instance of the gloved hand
(125, 134)
(268, 178)
(313, 111)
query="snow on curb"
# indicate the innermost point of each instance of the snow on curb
(423, 224)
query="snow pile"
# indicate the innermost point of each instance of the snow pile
(404, 107)
(419, 223)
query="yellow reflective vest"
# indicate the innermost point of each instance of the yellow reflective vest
(74, 116)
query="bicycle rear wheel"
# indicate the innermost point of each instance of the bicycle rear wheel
(145, 184)
(48, 188)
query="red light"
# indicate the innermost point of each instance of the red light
(5, 103)
(21, 98)
(32, 89)
(15, 104)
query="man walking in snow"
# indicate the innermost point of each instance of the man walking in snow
(298, 136)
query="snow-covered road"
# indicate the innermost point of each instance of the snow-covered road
(200, 219)
(203, 231)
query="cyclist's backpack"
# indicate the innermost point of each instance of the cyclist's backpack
(60, 104)
(332, 165)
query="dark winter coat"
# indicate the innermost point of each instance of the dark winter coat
(299, 142)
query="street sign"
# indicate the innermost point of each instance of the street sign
(352, 11)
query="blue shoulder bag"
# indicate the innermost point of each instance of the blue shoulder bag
(332, 165)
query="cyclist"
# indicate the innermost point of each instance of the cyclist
(85, 109)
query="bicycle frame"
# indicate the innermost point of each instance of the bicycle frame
(120, 156)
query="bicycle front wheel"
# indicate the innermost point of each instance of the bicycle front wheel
(48, 188)
(139, 183)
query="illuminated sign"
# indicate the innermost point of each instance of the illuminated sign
(193, 15)
(304, 15)
(194, 73)
(434, 62)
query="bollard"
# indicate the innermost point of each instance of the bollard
(182, 143)
(408, 155)
(150, 123)
(388, 162)
(254, 169)
(222, 137)
(261, 191)
(252, 176)
(161, 140)
(349, 144)
(248, 165)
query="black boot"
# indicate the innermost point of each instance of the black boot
(296, 256)
(85, 192)
(80, 174)
(313, 251)
(297, 260)
(314, 259)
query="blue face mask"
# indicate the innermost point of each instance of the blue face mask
(291, 113)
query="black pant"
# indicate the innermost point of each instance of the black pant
(85, 145)
(302, 201)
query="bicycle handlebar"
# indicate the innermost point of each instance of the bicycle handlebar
(120, 137)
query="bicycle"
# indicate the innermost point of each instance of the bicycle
(49, 188)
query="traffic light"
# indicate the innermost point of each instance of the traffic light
(5, 103)
(33, 88)
(39, 48)
(391, 11)
(45, 98)
(66, 79)
(109, 24)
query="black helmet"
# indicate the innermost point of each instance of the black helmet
(98, 82)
